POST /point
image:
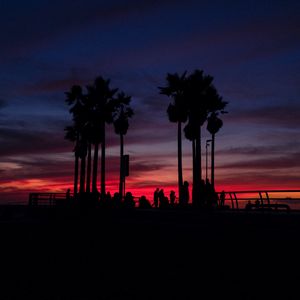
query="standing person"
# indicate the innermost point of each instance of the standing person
(222, 198)
(161, 197)
(68, 195)
(186, 193)
(172, 198)
(155, 198)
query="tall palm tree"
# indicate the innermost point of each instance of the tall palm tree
(202, 99)
(90, 133)
(72, 135)
(121, 124)
(177, 113)
(74, 99)
(101, 95)
(197, 86)
(214, 124)
(82, 154)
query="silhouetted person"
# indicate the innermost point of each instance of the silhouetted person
(108, 197)
(172, 198)
(211, 195)
(257, 203)
(185, 193)
(155, 198)
(128, 200)
(203, 193)
(248, 205)
(144, 202)
(116, 201)
(161, 197)
(222, 199)
(68, 195)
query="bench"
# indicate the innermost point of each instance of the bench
(275, 206)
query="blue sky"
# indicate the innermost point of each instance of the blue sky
(252, 48)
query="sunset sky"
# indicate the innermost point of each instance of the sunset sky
(252, 48)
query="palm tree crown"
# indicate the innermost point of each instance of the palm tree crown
(122, 114)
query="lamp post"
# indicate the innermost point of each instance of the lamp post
(207, 144)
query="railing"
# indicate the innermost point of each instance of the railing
(47, 199)
(257, 199)
(263, 199)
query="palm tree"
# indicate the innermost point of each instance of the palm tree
(91, 134)
(121, 124)
(101, 95)
(197, 86)
(202, 99)
(214, 124)
(75, 99)
(177, 113)
(82, 154)
(72, 135)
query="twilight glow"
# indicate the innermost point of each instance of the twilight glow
(252, 48)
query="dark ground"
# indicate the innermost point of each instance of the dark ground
(117, 254)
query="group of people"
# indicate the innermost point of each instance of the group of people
(116, 201)
(208, 198)
(160, 200)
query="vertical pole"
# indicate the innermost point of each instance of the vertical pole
(82, 174)
(76, 175)
(179, 146)
(95, 168)
(103, 193)
(213, 161)
(89, 167)
(194, 172)
(206, 160)
(122, 177)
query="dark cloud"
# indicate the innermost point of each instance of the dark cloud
(287, 116)
(251, 181)
(273, 163)
(59, 85)
(38, 168)
(260, 150)
(22, 142)
(146, 166)
(3, 103)
(45, 134)
(34, 22)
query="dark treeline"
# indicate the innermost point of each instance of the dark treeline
(194, 101)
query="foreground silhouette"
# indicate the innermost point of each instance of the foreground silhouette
(142, 254)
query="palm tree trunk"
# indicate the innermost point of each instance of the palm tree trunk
(200, 156)
(180, 180)
(95, 168)
(88, 170)
(121, 166)
(103, 193)
(76, 167)
(76, 175)
(194, 171)
(198, 173)
(82, 175)
(213, 161)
